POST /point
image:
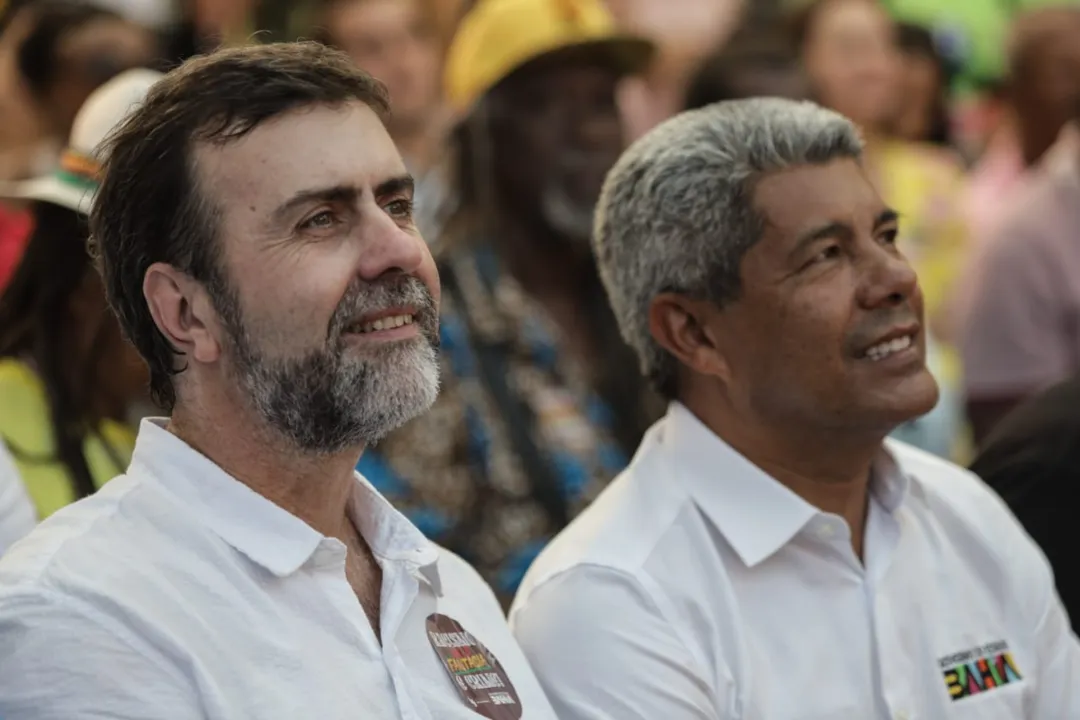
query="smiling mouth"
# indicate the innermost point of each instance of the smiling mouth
(390, 322)
(883, 350)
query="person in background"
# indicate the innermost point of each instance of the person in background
(397, 42)
(1039, 95)
(925, 81)
(850, 53)
(19, 153)
(1044, 66)
(1032, 460)
(17, 516)
(15, 227)
(68, 379)
(541, 403)
(684, 32)
(770, 553)
(1034, 102)
(65, 49)
(755, 62)
(1021, 328)
(254, 232)
(997, 171)
(53, 54)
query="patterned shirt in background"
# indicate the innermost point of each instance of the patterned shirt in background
(457, 472)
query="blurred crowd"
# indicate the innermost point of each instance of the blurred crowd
(509, 114)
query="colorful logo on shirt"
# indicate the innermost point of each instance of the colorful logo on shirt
(476, 674)
(979, 670)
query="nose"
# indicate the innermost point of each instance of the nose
(388, 248)
(888, 280)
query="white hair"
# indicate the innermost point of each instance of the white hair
(677, 210)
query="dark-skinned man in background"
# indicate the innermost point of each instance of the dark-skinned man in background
(541, 403)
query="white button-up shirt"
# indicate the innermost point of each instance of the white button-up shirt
(698, 587)
(17, 514)
(177, 592)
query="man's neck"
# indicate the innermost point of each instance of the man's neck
(316, 489)
(839, 485)
(829, 469)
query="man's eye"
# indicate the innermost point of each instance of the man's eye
(400, 208)
(321, 221)
(833, 251)
(889, 236)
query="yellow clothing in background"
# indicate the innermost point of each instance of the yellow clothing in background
(925, 185)
(26, 430)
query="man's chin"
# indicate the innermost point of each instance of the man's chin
(405, 388)
(910, 400)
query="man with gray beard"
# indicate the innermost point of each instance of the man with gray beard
(255, 233)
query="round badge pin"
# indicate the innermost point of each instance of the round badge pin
(477, 675)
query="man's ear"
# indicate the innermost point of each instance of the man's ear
(183, 312)
(686, 328)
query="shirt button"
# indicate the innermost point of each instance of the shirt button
(902, 716)
(827, 531)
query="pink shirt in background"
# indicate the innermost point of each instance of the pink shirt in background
(1021, 329)
(991, 183)
(991, 186)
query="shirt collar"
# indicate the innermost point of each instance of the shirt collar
(267, 534)
(391, 535)
(756, 514)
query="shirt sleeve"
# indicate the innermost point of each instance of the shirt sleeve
(603, 651)
(17, 515)
(59, 661)
(1012, 340)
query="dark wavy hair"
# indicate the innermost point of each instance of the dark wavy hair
(37, 325)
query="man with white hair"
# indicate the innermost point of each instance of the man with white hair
(769, 554)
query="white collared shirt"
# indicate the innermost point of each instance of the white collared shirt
(177, 592)
(698, 587)
(17, 514)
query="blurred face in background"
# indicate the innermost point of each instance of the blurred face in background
(556, 131)
(44, 79)
(1045, 85)
(920, 88)
(397, 42)
(851, 58)
(89, 56)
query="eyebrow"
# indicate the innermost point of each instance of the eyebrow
(400, 185)
(336, 193)
(347, 194)
(839, 229)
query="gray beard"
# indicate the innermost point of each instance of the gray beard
(328, 400)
